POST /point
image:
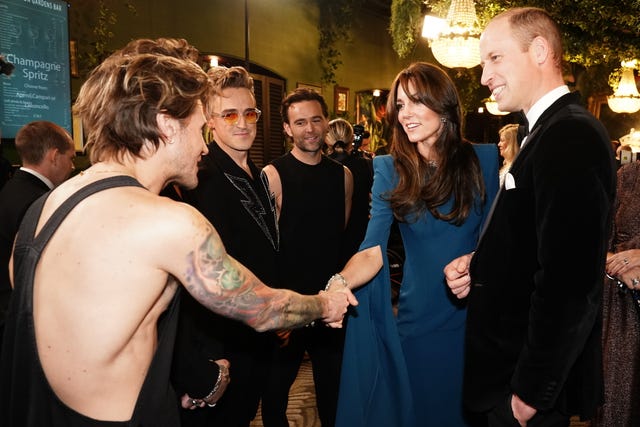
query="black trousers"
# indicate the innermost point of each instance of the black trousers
(324, 346)
(502, 416)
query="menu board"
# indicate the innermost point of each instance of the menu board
(34, 37)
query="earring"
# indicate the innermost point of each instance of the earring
(443, 119)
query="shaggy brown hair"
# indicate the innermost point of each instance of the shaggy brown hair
(120, 100)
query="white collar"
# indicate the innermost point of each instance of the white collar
(545, 102)
(38, 175)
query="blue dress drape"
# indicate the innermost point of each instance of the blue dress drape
(407, 371)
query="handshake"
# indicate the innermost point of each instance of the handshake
(336, 299)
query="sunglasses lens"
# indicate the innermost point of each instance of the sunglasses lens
(251, 116)
(231, 118)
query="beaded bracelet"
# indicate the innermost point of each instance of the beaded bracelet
(339, 277)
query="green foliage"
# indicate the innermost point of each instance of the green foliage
(336, 17)
(405, 27)
(101, 34)
(597, 34)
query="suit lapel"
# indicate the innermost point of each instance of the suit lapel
(563, 101)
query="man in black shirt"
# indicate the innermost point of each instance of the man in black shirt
(313, 201)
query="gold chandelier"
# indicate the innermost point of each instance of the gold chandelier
(455, 42)
(625, 98)
(492, 107)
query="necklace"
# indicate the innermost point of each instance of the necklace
(432, 163)
(82, 173)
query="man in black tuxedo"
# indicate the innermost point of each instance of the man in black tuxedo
(533, 354)
(46, 151)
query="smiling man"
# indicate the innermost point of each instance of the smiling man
(533, 354)
(233, 194)
(313, 201)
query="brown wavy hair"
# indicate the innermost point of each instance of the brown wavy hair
(120, 100)
(421, 187)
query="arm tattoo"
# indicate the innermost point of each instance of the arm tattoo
(222, 285)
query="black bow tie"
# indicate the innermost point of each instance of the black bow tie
(523, 129)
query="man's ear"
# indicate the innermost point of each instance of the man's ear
(287, 129)
(168, 126)
(52, 155)
(541, 50)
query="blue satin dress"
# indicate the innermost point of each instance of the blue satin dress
(407, 371)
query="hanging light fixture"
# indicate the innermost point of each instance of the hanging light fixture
(455, 42)
(492, 107)
(625, 98)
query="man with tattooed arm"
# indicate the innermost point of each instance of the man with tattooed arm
(98, 262)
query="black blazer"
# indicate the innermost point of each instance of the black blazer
(15, 198)
(534, 317)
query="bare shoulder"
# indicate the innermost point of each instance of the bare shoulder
(348, 175)
(272, 175)
(275, 185)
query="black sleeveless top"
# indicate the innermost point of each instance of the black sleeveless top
(311, 222)
(26, 398)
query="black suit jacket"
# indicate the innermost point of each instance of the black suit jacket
(15, 198)
(534, 317)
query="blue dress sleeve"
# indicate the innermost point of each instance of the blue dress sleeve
(374, 388)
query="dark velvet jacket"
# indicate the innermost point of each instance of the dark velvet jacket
(534, 316)
(15, 198)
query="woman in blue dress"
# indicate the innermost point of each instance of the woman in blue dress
(406, 371)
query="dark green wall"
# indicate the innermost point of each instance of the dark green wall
(283, 37)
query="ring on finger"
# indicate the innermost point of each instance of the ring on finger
(635, 282)
(626, 261)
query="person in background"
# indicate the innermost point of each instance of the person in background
(6, 170)
(407, 371)
(534, 283)
(621, 321)
(312, 195)
(509, 148)
(46, 151)
(341, 137)
(234, 196)
(90, 330)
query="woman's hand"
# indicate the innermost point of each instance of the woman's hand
(620, 263)
(631, 278)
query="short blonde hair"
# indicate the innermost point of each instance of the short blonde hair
(527, 23)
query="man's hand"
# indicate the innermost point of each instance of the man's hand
(457, 275)
(521, 411)
(334, 305)
(188, 402)
(351, 300)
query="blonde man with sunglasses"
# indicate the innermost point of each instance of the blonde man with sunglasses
(234, 197)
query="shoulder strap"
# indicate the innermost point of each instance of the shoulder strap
(27, 229)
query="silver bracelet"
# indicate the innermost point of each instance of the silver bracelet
(215, 387)
(336, 276)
